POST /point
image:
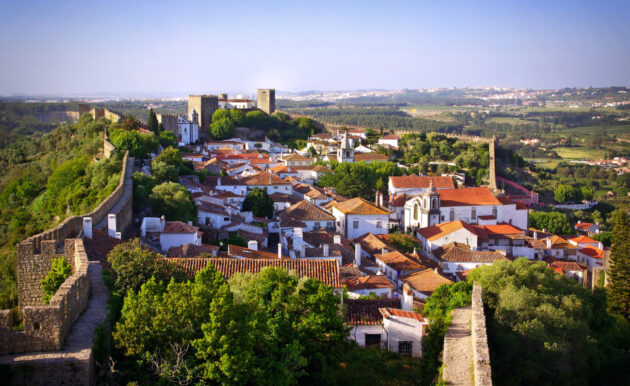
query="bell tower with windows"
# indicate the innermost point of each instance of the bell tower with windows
(345, 153)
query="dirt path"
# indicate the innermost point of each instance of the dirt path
(458, 355)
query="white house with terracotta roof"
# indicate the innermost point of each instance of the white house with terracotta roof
(587, 228)
(591, 256)
(169, 233)
(423, 282)
(472, 205)
(295, 159)
(395, 264)
(389, 140)
(559, 248)
(366, 285)
(405, 330)
(455, 257)
(357, 216)
(306, 216)
(585, 241)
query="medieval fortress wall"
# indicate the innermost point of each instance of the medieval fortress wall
(481, 353)
(46, 326)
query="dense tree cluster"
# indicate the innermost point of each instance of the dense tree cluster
(552, 222)
(359, 179)
(259, 203)
(545, 328)
(619, 288)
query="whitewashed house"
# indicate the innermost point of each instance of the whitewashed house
(169, 233)
(389, 140)
(415, 185)
(357, 216)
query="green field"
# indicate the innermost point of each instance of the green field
(580, 153)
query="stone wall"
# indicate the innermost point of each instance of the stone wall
(71, 226)
(45, 326)
(108, 148)
(492, 172)
(205, 106)
(481, 353)
(169, 122)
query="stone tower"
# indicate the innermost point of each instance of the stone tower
(345, 152)
(266, 100)
(204, 106)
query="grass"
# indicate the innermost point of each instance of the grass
(508, 120)
(580, 153)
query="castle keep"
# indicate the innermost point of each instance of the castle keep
(204, 106)
(266, 100)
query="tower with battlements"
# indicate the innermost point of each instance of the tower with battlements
(266, 100)
(204, 106)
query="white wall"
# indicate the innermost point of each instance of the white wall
(365, 224)
(168, 240)
(378, 291)
(403, 329)
(357, 333)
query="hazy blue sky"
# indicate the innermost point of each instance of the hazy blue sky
(191, 46)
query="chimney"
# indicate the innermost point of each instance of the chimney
(87, 227)
(190, 223)
(111, 225)
(219, 181)
(535, 235)
(415, 251)
(544, 230)
(279, 251)
(303, 250)
(407, 298)
(436, 271)
(337, 239)
(162, 223)
(118, 235)
(579, 221)
(548, 242)
(600, 245)
(252, 244)
(384, 251)
(326, 250)
(357, 254)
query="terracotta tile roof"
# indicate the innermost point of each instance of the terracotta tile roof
(322, 236)
(558, 242)
(389, 312)
(438, 231)
(359, 206)
(372, 244)
(467, 197)
(423, 182)
(425, 281)
(264, 179)
(327, 271)
(282, 169)
(99, 246)
(583, 240)
(191, 250)
(295, 215)
(398, 261)
(500, 230)
(315, 168)
(283, 197)
(565, 266)
(349, 271)
(365, 312)
(505, 200)
(358, 157)
(521, 206)
(179, 227)
(593, 252)
(398, 201)
(246, 253)
(456, 252)
(295, 157)
(368, 282)
(583, 225)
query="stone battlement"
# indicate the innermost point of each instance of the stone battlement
(204, 96)
(45, 326)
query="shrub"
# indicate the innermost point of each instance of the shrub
(59, 272)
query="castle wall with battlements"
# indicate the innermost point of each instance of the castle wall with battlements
(205, 106)
(45, 326)
(266, 100)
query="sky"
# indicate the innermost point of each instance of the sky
(83, 47)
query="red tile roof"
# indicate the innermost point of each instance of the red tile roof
(191, 250)
(423, 182)
(583, 240)
(327, 271)
(366, 312)
(295, 215)
(584, 225)
(438, 231)
(389, 312)
(398, 261)
(264, 179)
(467, 197)
(593, 252)
(456, 252)
(425, 281)
(368, 282)
(358, 157)
(179, 227)
(390, 136)
(359, 206)
(246, 253)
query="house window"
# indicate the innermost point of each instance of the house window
(226, 219)
(373, 340)
(404, 348)
(473, 214)
(355, 224)
(452, 215)
(379, 224)
(441, 218)
(317, 225)
(207, 220)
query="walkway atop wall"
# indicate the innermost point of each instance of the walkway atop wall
(127, 191)
(72, 365)
(458, 349)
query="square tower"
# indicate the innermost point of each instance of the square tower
(204, 106)
(266, 100)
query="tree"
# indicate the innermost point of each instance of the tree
(173, 201)
(222, 128)
(152, 123)
(237, 116)
(167, 139)
(134, 265)
(60, 270)
(565, 193)
(256, 119)
(403, 242)
(553, 222)
(138, 144)
(619, 271)
(130, 123)
(259, 202)
(220, 114)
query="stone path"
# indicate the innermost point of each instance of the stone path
(127, 190)
(458, 351)
(77, 351)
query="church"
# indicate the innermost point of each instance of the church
(477, 205)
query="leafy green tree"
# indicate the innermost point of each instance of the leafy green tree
(586, 193)
(221, 114)
(173, 201)
(138, 144)
(605, 237)
(259, 202)
(142, 187)
(152, 123)
(551, 323)
(135, 265)
(60, 270)
(237, 116)
(168, 165)
(256, 119)
(619, 271)
(167, 139)
(566, 193)
(222, 128)
(130, 123)
(553, 222)
(403, 242)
